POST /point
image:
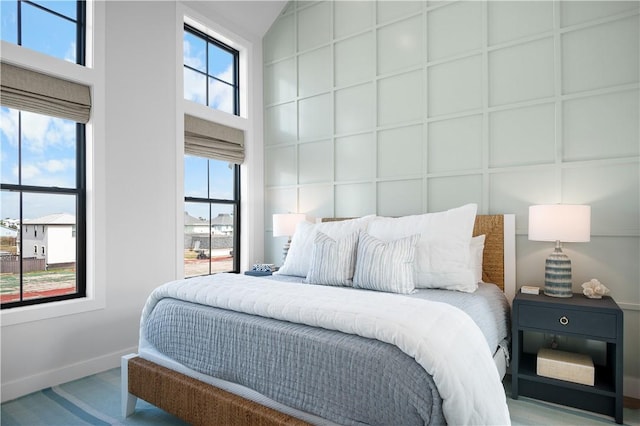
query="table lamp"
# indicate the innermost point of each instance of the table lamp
(284, 225)
(560, 223)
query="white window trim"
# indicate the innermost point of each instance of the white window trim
(92, 75)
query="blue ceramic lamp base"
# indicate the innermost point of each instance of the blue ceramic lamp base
(557, 274)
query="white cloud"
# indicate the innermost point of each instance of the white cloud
(30, 172)
(220, 94)
(9, 125)
(59, 165)
(70, 54)
(196, 61)
(41, 131)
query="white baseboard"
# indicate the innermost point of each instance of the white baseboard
(26, 385)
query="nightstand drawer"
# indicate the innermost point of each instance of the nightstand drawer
(562, 320)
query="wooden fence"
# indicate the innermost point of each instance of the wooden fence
(11, 264)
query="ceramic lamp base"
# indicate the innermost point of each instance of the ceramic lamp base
(557, 275)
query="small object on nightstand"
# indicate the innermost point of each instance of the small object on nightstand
(264, 267)
(529, 289)
(594, 289)
(567, 366)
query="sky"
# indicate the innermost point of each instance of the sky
(48, 144)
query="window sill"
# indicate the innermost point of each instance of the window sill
(44, 311)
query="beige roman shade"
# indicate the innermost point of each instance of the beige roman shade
(32, 91)
(205, 138)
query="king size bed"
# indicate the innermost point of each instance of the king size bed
(369, 321)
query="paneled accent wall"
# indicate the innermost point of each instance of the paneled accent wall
(399, 108)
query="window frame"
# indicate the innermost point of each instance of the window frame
(80, 23)
(80, 193)
(236, 66)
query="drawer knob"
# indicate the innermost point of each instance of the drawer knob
(564, 320)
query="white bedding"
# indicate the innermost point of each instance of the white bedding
(462, 367)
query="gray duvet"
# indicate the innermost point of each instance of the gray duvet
(344, 378)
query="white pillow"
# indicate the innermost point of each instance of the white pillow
(333, 261)
(442, 253)
(298, 258)
(385, 266)
(476, 249)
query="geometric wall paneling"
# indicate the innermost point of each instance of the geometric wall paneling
(448, 138)
(314, 26)
(573, 12)
(509, 20)
(316, 162)
(400, 45)
(354, 58)
(354, 156)
(314, 72)
(601, 56)
(522, 136)
(522, 72)
(455, 87)
(355, 200)
(280, 166)
(279, 40)
(454, 29)
(280, 82)
(515, 191)
(279, 200)
(391, 10)
(354, 109)
(280, 124)
(604, 126)
(452, 191)
(604, 187)
(351, 17)
(314, 117)
(400, 152)
(400, 98)
(399, 197)
(316, 200)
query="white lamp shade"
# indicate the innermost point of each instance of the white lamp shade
(284, 225)
(560, 222)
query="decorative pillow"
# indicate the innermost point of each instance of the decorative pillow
(298, 258)
(442, 253)
(476, 249)
(385, 266)
(333, 261)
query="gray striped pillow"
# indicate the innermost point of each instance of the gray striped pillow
(385, 266)
(332, 261)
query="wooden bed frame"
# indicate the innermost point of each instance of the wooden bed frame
(199, 403)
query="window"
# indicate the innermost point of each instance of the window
(55, 28)
(42, 181)
(211, 72)
(211, 217)
(42, 166)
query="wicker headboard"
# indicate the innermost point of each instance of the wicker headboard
(498, 261)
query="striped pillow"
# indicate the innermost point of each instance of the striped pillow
(332, 261)
(385, 266)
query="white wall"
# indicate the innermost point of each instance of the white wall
(135, 198)
(400, 108)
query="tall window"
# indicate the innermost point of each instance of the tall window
(43, 183)
(211, 217)
(55, 28)
(210, 72)
(213, 154)
(42, 157)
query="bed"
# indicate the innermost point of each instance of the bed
(234, 349)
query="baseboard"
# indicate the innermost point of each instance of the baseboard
(26, 385)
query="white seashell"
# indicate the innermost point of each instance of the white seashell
(594, 289)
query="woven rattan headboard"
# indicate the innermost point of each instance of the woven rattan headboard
(496, 245)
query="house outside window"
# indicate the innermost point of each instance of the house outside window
(43, 162)
(211, 179)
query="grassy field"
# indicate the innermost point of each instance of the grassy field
(37, 284)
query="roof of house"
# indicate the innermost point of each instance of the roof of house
(52, 219)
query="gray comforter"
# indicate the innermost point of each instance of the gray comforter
(341, 377)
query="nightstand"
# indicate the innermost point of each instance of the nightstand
(258, 273)
(576, 317)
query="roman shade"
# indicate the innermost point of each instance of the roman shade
(205, 138)
(33, 91)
